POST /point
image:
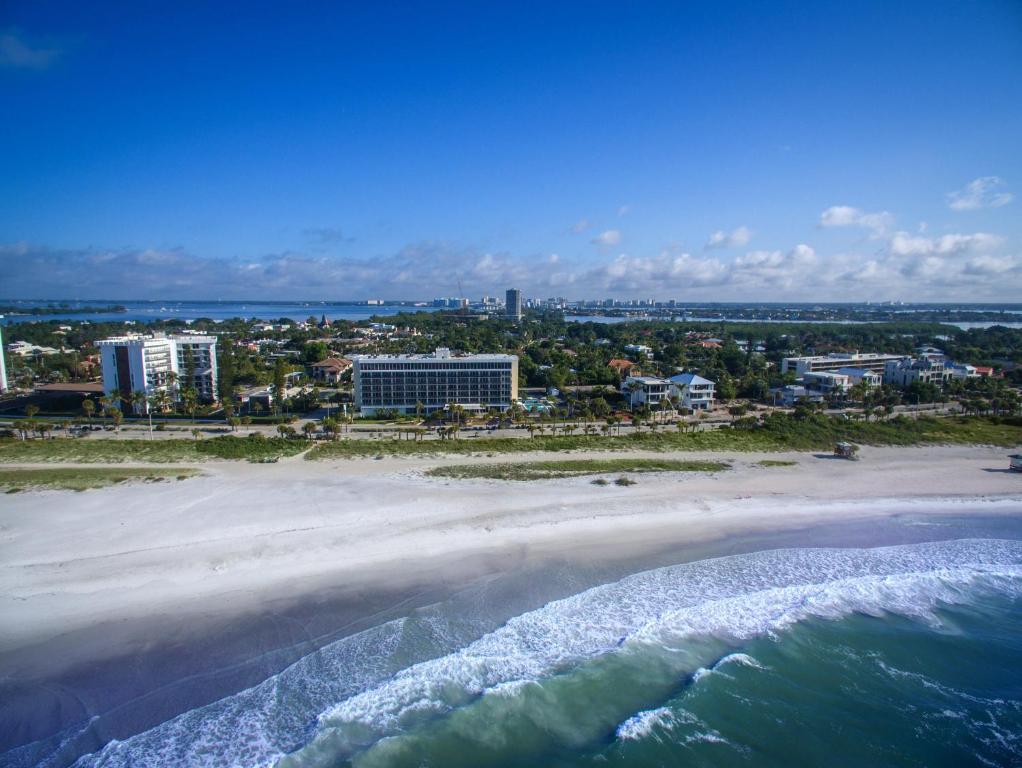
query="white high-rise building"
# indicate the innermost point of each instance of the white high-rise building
(150, 364)
(3, 365)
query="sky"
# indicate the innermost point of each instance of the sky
(763, 151)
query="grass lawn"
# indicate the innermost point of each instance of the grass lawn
(86, 451)
(778, 432)
(550, 470)
(84, 478)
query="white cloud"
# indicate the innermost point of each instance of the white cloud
(736, 238)
(904, 244)
(666, 271)
(776, 269)
(624, 210)
(983, 192)
(608, 237)
(580, 226)
(16, 53)
(993, 266)
(847, 216)
(961, 267)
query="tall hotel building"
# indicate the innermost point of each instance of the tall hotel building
(402, 382)
(3, 365)
(513, 304)
(138, 363)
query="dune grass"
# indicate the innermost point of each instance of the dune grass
(85, 478)
(110, 451)
(776, 463)
(779, 432)
(551, 470)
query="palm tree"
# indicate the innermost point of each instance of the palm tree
(633, 387)
(309, 428)
(190, 401)
(137, 400)
(88, 408)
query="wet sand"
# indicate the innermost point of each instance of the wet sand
(139, 602)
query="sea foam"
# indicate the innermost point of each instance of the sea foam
(731, 598)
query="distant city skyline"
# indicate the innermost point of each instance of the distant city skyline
(687, 152)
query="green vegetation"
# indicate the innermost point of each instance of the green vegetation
(777, 432)
(253, 448)
(84, 478)
(72, 450)
(776, 463)
(550, 470)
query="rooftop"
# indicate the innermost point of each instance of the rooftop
(441, 353)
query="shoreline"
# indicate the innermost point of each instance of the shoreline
(257, 566)
(251, 532)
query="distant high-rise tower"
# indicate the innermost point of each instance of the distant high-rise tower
(3, 367)
(513, 304)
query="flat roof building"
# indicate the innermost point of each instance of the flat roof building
(834, 362)
(151, 364)
(647, 390)
(513, 304)
(3, 365)
(923, 370)
(405, 383)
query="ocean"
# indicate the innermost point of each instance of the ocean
(146, 311)
(906, 655)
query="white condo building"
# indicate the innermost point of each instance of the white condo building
(924, 370)
(833, 363)
(3, 365)
(402, 382)
(150, 364)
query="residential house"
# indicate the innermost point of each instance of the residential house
(924, 370)
(639, 350)
(793, 394)
(621, 366)
(693, 391)
(648, 390)
(827, 382)
(961, 371)
(862, 375)
(330, 370)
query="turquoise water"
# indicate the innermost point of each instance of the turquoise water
(904, 656)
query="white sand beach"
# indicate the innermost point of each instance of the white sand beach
(244, 534)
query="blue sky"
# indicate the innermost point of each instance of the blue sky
(761, 151)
